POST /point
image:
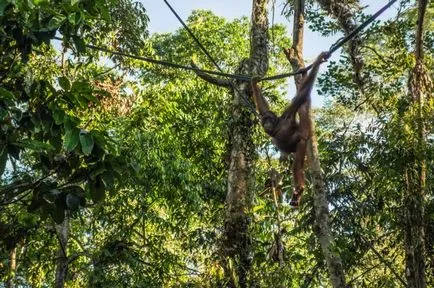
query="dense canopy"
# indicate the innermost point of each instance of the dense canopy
(119, 172)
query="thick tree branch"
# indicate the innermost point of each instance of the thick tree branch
(420, 86)
(419, 32)
(259, 39)
(210, 79)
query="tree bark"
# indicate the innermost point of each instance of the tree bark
(62, 258)
(238, 199)
(236, 239)
(414, 201)
(321, 227)
(243, 155)
(10, 282)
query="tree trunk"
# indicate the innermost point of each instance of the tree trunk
(10, 282)
(321, 229)
(414, 226)
(320, 205)
(62, 258)
(414, 202)
(240, 184)
(240, 175)
(236, 238)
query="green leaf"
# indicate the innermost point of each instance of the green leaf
(104, 12)
(90, 97)
(3, 5)
(75, 18)
(87, 142)
(55, 22)
(100, 139)
(58, 116)
(71, 137)
(81, 101)
(6, 94)
(258, 207)
(35, 145)
(64, 83)
(81, 87)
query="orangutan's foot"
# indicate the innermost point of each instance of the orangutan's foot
(296, 196)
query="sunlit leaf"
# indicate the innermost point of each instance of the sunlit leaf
(257, 208)
(75, 18)
(55, 22)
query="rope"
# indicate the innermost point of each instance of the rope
(336, 45)
(339, 43)
(193, 36)
(164, 63)
(243, 97)
(280, 76)
(247, 78)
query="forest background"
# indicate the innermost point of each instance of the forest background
(118, 172)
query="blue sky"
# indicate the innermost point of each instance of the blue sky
(162, 20)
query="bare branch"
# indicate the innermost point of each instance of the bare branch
(345, 13)
(75, 256)
(379, 56)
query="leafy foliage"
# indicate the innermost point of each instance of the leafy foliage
(134, 155)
